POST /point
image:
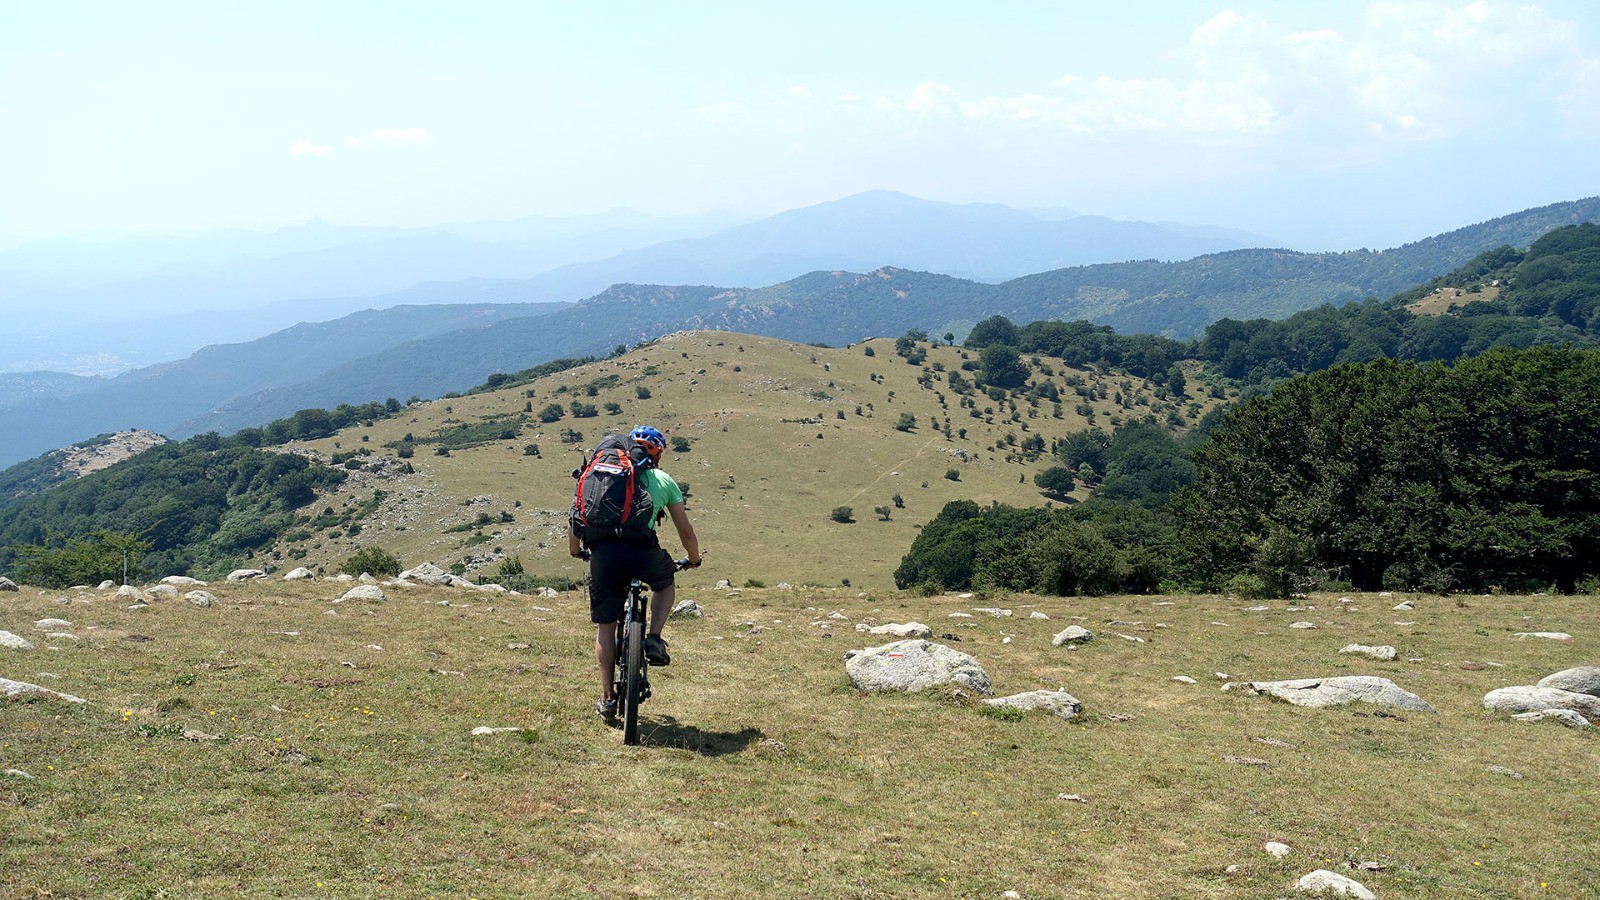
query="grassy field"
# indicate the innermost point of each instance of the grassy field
(780, 435)
(344, 763)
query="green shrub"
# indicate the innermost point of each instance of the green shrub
(843, 515)
(372, 560)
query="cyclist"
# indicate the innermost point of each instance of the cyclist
(613, 564)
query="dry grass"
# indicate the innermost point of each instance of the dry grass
(770, 458)
(345, 771)
(1445, 301)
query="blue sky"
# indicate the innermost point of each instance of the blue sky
(1327, 126)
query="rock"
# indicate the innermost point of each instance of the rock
(61, 636)
(344, 576)
(723, 585)
(200, 598)
(1565, 716)
(1321, 692)
(299, 574)
(1075, 798)
(490, 587)
(162, 592)
(1548, 635)
(21, 690)
(49, 624)
(107, 585)
(1129, 637)
(1383, 651)
(129, 592)
(1246, 761)
(427, 573)
(1302, 625)
(458, 581)
(369, 592)
(483, 730)
(367, 578)
(18, 773)
(7, 584)
(1060, 704)
(1184, 679)
(1277, 849)
(182, 581)
(772, 745)
(687, 609)
(9, 641)
(898, 629)
(995, 612)
(547, 592)
(1073, 634)
(192, 734)
(783, 586)
(960, 615)
(914, 665)
(1579, 680)
(1502, 770)
(1541, 699)
(1332, 883)
(1404, 606)
(246, 575)
(1038, 615)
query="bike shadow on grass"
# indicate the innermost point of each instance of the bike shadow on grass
(668, 732)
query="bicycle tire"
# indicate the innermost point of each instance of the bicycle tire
(633, 681)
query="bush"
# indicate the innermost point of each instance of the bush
(372, 560)
(953, 474)
(1246, 587)
(844, 515)
(680, 444)
(754, 583)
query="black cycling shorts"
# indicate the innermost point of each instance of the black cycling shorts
(613, 564)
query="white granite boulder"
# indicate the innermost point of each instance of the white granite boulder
(300, 574)
(1547, 635)
(369, 592)
(687, 609)
(1332, 884)
(129, 592)
(1579, 680)
(898, 629)
(914, 665)
(1072, 634)
(162, 592)
(1060, 704)
(1528, 698)
(182, 581)
(1565, 716)
(1321, 692)
(7, 584)
(246, 575)
(200, 598)
(9, 641)
(1382, 651)
(21, 690)
(52, 624)
(107, 585)
(427, 573)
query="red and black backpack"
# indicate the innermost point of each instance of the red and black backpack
(611, 503)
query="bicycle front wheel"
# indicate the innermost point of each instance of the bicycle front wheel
(633, 681)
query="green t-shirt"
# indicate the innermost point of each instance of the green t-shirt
(663, 492)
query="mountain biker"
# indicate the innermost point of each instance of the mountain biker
(614, 564)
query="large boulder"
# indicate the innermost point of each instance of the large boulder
(130, 593)
(687, 609)
(914, 665)
(1332, 884)
(9, 641)
(200, 598)
(246, 575)
(299, 574)
(21, 690)
(1529, 698)
(898, 629)
(1060, 704)
(7, 584)
(1579, 680)
(1073, 634)
(368, 592)
(182, 581)
(162, 592)
(1321, 692)
(427, 573)
(1382, 651)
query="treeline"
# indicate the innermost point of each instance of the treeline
(1369, 475)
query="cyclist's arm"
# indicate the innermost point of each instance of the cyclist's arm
(574, 546)
(691, 542)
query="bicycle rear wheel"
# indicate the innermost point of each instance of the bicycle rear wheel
(633, 680)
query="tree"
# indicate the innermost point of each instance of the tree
(883, 512)
(642, 392)
(844, 515)
(680, 444)
(906, 422)
(373, 561)
(899, 502)
(952, 474)
(552, 413)
(1003, 366)
(1057, 481)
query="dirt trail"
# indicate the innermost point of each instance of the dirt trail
(894, 468)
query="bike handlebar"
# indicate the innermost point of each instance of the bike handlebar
(678, 565)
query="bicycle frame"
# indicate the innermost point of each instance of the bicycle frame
(632, 684)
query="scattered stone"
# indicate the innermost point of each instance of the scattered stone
(837, 616)
(1073, 634)
(1579, 680)
(246, 575)
(9, 641)
(182, 581)
(367, 578)
(129, 592)
(138, 638)
(191, 734)
(1060, 704)
(201, 598)
(162, 592)
(1038, 615)
(1129, 637)
(483, 730)
(427, 574)
(1324, 882)
(7, 584)
(517, 645)
(344, 576)
(22, 690)
(914, 665)
(992, 611)
(300, 574)
(960, 615)
(1322, 692)
(1259, 607)
(547, 593)
(1273, 742)
(368, 592)
(688, 609)
(1075, 798)
(1302, 625)
(48, 624)
(61, 636)
(723, 585)
(1382, 651)
(964, 596)
(1010, 895)
(1502, 770)
(1565, 716)
(1222, 676)
(1548, 635)
(898, 629)
(1402, 607)
(783, 586)
(1246, 761)
(18, 773)
(1277, 849)
(772, 746)
(1184, 679)
(1542, 699)
(107, 585)
(1233, 869)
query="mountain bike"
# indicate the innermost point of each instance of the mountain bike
(632, 684)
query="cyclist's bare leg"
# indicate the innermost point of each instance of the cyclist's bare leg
(605, 651)
(661, 608)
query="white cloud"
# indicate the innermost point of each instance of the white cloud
(800, 92)
(931, 98)
(402, 135)
(308, 148)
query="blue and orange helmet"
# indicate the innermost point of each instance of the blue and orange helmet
(651, 439)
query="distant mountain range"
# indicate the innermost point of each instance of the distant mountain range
(103, 308)
(430, 350)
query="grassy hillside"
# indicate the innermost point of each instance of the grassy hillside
(329, 752)
(776, 444)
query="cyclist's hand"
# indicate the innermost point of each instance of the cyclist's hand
(582, 554)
